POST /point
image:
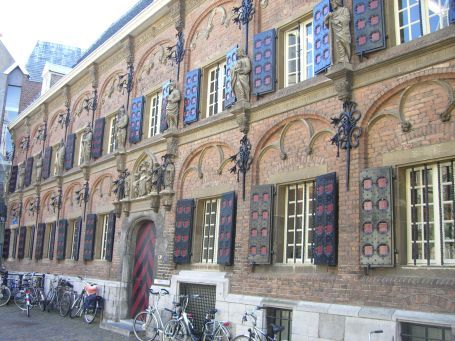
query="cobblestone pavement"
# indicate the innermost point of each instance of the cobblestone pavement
(14, 325)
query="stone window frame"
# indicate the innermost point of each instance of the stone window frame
(111, 140)
(204, 88)
(153, 109)
(102, 222)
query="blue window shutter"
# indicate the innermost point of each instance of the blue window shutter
(61, 238)
(183, 230)
(137, 110)
(369, 29)
(451, 11)
(229, 98)
(325, 229)
(6, 241)
(98, 135)
(47, 162)
(21, 246)
(77, 238)
(164, 96)
(90, 233)
(52, 241)
(321, 37)
(110, 236)
(40, 241)
(226, 235)
(264, 65)
(69, 151)
(13, 179)
(28, 171)
(192, 90)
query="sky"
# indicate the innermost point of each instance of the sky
(70, 22)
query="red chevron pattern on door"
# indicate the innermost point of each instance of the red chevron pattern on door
(144, 265)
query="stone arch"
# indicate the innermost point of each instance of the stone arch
(78, 109)
(107, 92)
(68, 195)
(142, 175)
(97, 187)
(45, 203)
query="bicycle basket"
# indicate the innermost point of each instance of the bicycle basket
(90, 301)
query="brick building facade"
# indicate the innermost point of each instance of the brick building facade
(334, 247)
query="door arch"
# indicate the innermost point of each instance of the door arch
(144, 267)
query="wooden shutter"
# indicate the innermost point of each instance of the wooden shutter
(183, 231)
(13, 179)
(16, 233)
(52, 240)
(61, 238)
(321, 53)
(376, 217)
(97, 141)
(191, 101)
(137, 109)
(326, 220)
(47, 162)
(452, 11)
(229, 98)
(260, 233)
(164, 96)
(110, 236)
(89, 241)
(77, 238)
(264, 65)
(226, 235)
(40, 240)
(32, 240)
(21, 246)
(28, 172)
(69, 151)
(6, 241)
(369, 28)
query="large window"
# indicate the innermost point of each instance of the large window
(155, 115)
(112, 136)
(415, 18)
(216, 89)
(210, 227)
(419, 332)
(299, 53)
(105, 228)
(430, 221)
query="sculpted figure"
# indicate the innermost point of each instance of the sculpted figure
(21, 175)
(137, 175)
(172, 106)
(59, 158)
(169, 174)
(340, 36)
(122, 124)
(241, 76)
(127, 187)
(38, 167)
(86, 140)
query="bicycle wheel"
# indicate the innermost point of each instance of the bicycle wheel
(19, 300)
(175, 330)
(5, 295)
(75, 307)
(90, 314)
(41, 298)
(243, 338)
(221, 334)
(64, 304)
(145, 327)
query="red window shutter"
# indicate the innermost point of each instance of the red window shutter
(164, 96)
(264, 64)
(21, 246)
(325, 230)
(47, 162)
(183, 231)
(226, 235)
(52, 241)
(61, 238)
(229, 98)
(321, 54)
(6, 241)
(376, 217)
(369, 27)
(89, 242)
(137, 110)
(16, 234)
(32, 240)
(110, 236)
(28, 171)
(40, 241)
(77, 238)
(191, 99)
(69, 151)
(13, 179)
(261, 218)
(97, 141)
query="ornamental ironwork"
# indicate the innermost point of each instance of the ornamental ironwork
(82, 194)
(164, 174)
(242, 161)
(91, 103)
(348, 134)
(125, 82)
(177, 52)
(64, 117)
(242, 15)
(25, 142)
(120, 185)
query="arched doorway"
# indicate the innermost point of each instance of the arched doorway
(144, 267)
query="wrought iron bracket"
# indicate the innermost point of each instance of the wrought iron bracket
(242, 161)
(242, 15)
(177, 52)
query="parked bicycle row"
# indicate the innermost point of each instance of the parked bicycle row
(27, 292)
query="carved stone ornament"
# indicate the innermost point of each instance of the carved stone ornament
(59, 159)
(38, 167)
(121, 127)
(241, 110)
(338, 22)
(21, 176)
(225, 20)
(143, 179)
(154, 201)
(341, 75)
(33, 206)
(82, 194)
(41, 133)
(55, 200)
(241, 76)
(166, 199)
(172, 107)
(86, 141)
(120, 185)
(171, 144)
(24, 142)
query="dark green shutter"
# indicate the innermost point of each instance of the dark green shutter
(98, 135)
(90, 233)
(40, 240)
(226, 235)
(13, 179)
(77, 238)
(260, 229)
(110, 236)
(376, 217)
(52, 240)
(6, 241)
(28, 172)
(61, 238)
(183, 231)
(69, 151)
(47, 162)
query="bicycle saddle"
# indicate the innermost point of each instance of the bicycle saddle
(276, 329)
(213, 311)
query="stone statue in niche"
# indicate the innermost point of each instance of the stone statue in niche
(172, 106)
(241, 76)
(340, 36)
(120, 185)
(155, 176)
(121, 126)
(86, 140)
(142, 180)
(169, 174)
(38, 167)
(59, 158)
(41, 133)
(21, 176)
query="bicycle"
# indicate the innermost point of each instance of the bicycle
(148, 324)
(255, 333)
(54, 296)
(92, 303)
(5, 292)
(31, 295)
(77, 306)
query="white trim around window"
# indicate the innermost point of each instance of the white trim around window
(215, 89)
(210, 227)
(112, 145)
(104, 236)
(154, 114)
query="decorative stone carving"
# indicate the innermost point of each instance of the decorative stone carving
(205, 33)
(41, 132)
(21, 175)
(172, 106)
(142, 183)
(24, 142)
(55, 200)
(241, 76)
(59, 158)
(38, 167)
(171, 144)
(120, 185)
(121, 126)
(86, 140)
(264, 3)
(341, 75)
(339, 34)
